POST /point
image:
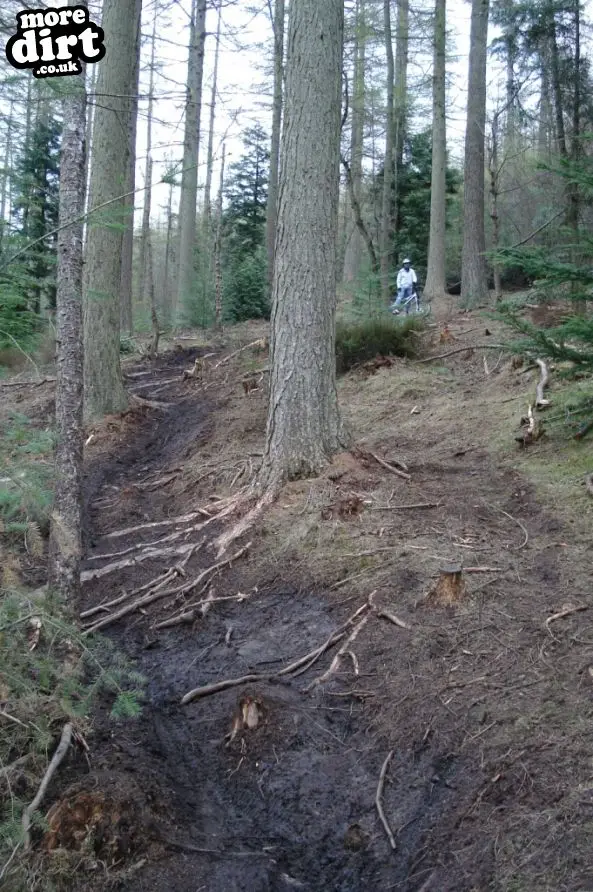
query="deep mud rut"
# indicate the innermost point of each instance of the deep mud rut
(488, 715)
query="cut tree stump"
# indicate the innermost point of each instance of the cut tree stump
(450, 586)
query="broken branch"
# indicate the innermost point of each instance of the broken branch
(567, 610)
(540, 401)
(386, 465)
(57, 758)
(379, 800)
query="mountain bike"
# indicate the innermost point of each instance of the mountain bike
(412, 305)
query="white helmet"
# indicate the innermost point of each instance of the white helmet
(406, 260)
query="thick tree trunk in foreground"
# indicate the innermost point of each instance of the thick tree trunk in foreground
(474, 284)
(272, 203)
(103, 385)
(436, 272)
(65, 548)
(304, 427)
(191, 145)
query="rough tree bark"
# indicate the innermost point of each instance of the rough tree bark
(400, 102)
(272, 202)
(304, 427)
(218, 250)
(65, 547)
(191, 145)
(435, 286)
(145, 287)
(103, 385)
(355, 245)
(474, 283)
(5, 172)
(210, 151)
(127, 256)
(388, 166)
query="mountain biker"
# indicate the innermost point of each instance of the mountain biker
(406, 285)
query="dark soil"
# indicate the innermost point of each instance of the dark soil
(488, 713)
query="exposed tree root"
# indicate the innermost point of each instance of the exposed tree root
(223, 541)
(149, 554)
(389, 466)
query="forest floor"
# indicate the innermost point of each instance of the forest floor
(485, 703)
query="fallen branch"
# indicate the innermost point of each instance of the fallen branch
(406, 507)
(518, 522)
(540, 401)
(589, 484)
(567, 610)
(260, 342)
(379, 800)
(461, 350)
(28, 383)
(385, 464)
(297, 667)
(386, 614)
(345, 646)
(57, 758)
(482, 570)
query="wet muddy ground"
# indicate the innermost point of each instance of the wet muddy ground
(486, 711)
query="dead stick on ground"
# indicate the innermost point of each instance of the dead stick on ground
(514, 519)
(57, 758)
(461, 350)
(482, 569)
(388, 466)
(540, 400)
(566, 611)
(345, 646)
(302, 664)
(379, 800)
(589, 484)
(236, 352)
(406, 507)
(386, 614)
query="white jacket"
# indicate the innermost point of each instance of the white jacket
(405, 278)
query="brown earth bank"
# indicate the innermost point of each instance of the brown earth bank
(467, 717)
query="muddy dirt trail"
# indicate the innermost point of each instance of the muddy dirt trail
(269, 786)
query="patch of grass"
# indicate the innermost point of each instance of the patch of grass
(26, 475)
(357, 342)
(49, 675)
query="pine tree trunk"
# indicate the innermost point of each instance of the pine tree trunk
(218, 251)
(355, 243)
(545, 123)
(400, 101)
(304, 428)
(388, 166)
(143, 292)
(126, 319)
(435, 286)
(191, 144)
(272, 203)
(103, 385)
(5, 173)
(167, 285)
(90, 116)
(210, 154)
(65, 548)
(494, 171)
(474, 284)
